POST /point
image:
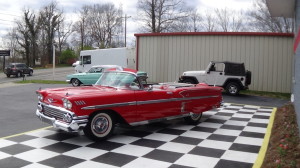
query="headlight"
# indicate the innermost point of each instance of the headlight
(67, 104)
(40, 96)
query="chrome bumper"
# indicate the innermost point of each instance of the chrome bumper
(74, 126)
(222, 104)
(68, 81)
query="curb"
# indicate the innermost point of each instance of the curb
(263, 149)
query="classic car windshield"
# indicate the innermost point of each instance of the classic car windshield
(118, 79)
(95, 70)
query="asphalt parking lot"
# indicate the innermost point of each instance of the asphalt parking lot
(227, 137)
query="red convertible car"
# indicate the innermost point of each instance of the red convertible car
(120, 96)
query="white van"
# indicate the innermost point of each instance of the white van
(124, 57)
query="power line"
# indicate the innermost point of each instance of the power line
(5, 23)
(9, 14)
(6, 20)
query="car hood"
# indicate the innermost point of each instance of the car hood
(192, 73)
(78, 92)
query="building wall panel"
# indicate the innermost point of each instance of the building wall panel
(269, 58)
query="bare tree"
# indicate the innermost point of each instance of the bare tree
(160, 15)
(23, 38)
(237, 23)
(228, 20)
(196, 19)
(191, 23)
(64, 30)
(208, 22)
(81, 26)
(32, 24)
(10, 42)
(104, 21)
(50, 18)
(263, 21)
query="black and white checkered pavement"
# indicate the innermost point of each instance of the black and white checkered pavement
(227, 137)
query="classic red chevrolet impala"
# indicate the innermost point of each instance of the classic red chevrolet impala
(123, 97)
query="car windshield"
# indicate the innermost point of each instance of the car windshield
(95, 70)
(117, 80)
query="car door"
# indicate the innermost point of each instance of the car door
(156, 103)
(25, 68)
(216, 75)
(93, 75)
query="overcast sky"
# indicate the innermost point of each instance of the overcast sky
(12, 9)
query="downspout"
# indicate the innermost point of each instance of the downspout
(137, 53)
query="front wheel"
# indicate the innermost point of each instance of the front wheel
(100, 126)
(75, 82)
(7, 75)
(193, 119)
(232, 88)
(30, 73)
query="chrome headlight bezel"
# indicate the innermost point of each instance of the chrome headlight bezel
(40, 96)
(67, 104)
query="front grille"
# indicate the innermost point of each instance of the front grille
(53, 113)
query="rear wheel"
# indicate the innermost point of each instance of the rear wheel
(100, 126)
(232, 88)
(190, 81)
(75, 82)
(193, 119)
(7, 75)
(30, 73)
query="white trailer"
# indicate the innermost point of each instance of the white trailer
(124, 57)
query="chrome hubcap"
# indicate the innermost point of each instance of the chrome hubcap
(232, 89)
(195, 116)
(75, 82)
(100, 125)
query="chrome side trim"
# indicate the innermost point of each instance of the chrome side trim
(158, 101)
(159, 120)
(109, 105)
(146, 102)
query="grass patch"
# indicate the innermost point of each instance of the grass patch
(50, 66)
(42, 82)
(285, 96)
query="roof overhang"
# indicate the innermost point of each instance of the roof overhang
(281, 8)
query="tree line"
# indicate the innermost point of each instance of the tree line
(101, 25)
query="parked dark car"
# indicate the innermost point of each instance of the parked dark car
(18, 69)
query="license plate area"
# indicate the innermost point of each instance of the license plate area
(46, 120)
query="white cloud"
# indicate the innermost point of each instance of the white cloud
(15, 7)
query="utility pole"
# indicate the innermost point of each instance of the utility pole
(126, 26)
(53, 69)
